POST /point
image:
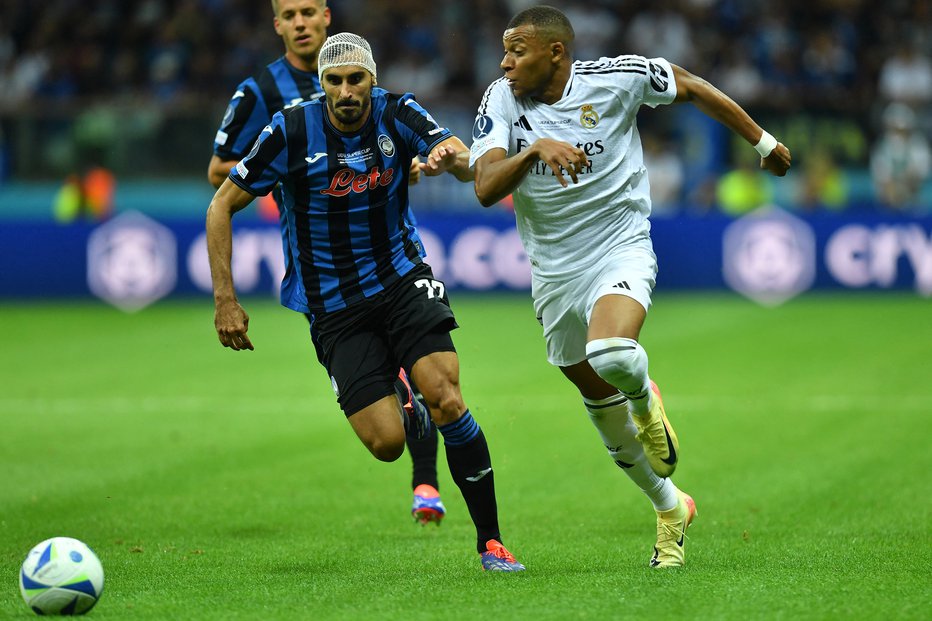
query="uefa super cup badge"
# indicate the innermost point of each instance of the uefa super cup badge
(589, 117)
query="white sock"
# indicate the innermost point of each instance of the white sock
(613, 422)
(623, 363)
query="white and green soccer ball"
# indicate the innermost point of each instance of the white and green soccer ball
(61, 576)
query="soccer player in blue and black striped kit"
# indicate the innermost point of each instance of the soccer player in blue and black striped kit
(286, 82)
(343, 165)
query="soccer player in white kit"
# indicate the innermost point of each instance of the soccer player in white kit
(561, 135)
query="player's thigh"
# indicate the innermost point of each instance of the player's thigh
(379, 427)
(620, 296)
(418, 318)
(559, 306)
(358, 358)
(616, 315)
(418, 322)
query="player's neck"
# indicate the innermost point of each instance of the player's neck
(554, 90)
(308, 65)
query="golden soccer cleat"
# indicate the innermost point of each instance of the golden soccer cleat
(671, 533)
(657, 437)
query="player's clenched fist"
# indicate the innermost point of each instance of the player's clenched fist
(232, 322)
(778, 162)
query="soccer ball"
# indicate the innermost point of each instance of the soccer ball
(61, 576)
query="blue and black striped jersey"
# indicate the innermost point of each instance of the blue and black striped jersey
(349, 228)
(277, 87)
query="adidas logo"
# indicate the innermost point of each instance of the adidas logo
(522, 122)
(621, 285)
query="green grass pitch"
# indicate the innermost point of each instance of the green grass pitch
(227, 485)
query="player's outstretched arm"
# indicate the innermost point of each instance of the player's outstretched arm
(230, 320)
(497, 176)
(450, 156)
(775, 157)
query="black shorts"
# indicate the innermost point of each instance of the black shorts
(362, 347)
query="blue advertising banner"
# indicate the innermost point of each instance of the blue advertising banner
(770, 255)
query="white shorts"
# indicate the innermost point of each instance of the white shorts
(564, 307)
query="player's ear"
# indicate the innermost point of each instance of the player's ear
(557, 51)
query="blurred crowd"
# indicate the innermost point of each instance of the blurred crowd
(865, 65)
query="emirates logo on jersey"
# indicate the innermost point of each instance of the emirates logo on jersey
(348, 180)
(589, 118)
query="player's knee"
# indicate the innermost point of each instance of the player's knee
(445, 403)
(619, 361)
(386, 450)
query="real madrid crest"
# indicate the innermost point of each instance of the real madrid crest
(589, 117)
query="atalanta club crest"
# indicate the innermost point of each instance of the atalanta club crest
(386, 145)
(589, 117)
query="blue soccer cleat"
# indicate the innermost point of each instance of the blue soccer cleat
(497, 558)
(427, 506)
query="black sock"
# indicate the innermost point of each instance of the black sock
(424, 459)
(471, 467)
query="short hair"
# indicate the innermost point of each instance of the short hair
(321, 3)
(547, 20)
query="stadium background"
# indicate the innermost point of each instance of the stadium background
(215, 485)
(110, 107)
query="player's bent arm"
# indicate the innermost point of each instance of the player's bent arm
(218, 170)
(719, 106)
(497, 176)
(230, 320)
(450, 156)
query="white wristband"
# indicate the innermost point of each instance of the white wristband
(766, 144)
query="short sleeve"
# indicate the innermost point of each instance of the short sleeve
(244, 118)
(659, 85)
(267, 162)
(492, 127)
(417, 126)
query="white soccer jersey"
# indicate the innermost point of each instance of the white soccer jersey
(565, 229)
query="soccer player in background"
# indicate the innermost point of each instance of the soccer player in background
(561, 135)
(342, 162)
(302, 25)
